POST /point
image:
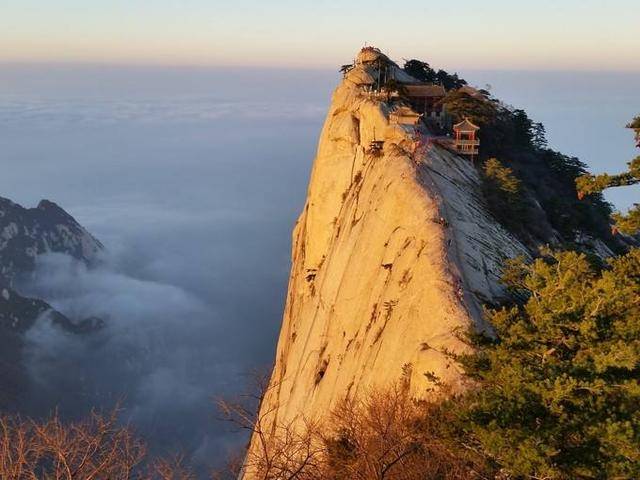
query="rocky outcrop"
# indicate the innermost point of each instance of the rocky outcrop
(393, 255)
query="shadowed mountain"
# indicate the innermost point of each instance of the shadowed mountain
(24, 235)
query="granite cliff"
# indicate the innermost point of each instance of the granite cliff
(393, 256)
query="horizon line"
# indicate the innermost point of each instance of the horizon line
(281, 67)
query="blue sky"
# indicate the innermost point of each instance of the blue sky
(560, 34)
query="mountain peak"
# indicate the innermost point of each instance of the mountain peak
(45, 204)
(26, 233)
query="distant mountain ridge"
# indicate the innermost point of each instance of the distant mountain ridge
(26, 233)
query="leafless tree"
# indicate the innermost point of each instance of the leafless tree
(96, 448)
(387, 435)
(383, 435)
(277, 450)
(169, 469)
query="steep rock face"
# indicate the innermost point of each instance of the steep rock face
(392, 256)
(26, 233)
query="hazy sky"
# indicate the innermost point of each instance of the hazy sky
(547, 34)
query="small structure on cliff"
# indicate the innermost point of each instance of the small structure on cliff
(404, 115)
(375, 147)
(426, 98)
(465, 140)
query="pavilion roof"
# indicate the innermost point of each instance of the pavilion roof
(466, 126)
(405, 111)
(425, 90)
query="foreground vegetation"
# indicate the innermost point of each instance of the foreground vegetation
(93, 449)
(556, 396)
(588, 185)
(559, 392)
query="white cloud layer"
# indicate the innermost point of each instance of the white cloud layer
(16, 110)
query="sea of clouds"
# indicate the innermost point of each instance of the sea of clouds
(193, 186)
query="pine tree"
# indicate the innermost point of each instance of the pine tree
(503, 192)
(539, 136)
(559, 394)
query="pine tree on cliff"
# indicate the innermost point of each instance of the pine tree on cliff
(422, 71)
(503, 192)
(560, 389)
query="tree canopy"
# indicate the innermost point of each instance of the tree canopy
(460, 105)
(548, 178)
(559, 389)
(503, 192)
(422, 71)
(635, 123)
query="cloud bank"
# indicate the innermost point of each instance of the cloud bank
(157, 354)
(194, 196)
